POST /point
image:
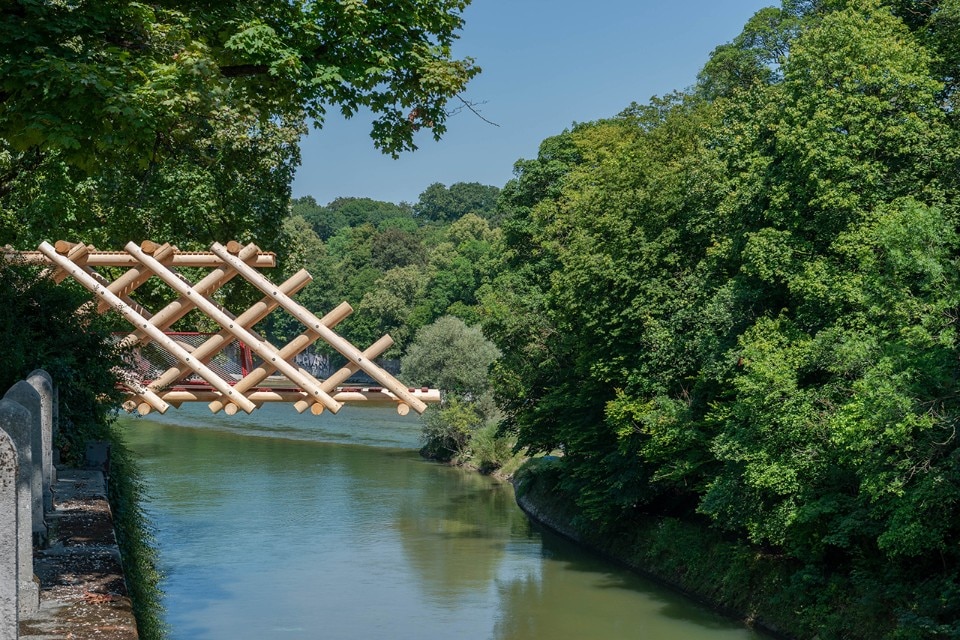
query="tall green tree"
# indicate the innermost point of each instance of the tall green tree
(183, 118)
(455, 358)
(739, 304)
(442, 204)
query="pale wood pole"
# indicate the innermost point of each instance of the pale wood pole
(289, 351)
(374, 396)
(259, 346)
(123, 259)
(218, 341)
(342, 374)
(312, 322)
(136, 276)
(95, 287)
(180, 307)
(80, 254)
(133, 277)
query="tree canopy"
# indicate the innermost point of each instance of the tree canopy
(738, 303)
(180, 120)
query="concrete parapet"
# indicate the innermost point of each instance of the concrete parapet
(9, 571)
(24, 394)
(83, 594)
(16, 421)
(42, 383)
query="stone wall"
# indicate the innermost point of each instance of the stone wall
(29, 505)
(26, 472)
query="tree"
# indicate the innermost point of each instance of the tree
(753, 57)
(740, 304)
(181, 120)
(389, 303)
(455, 358)
(395, 247)
(451, 356)
(439, 204)
(97, 77)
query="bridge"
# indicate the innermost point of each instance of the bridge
(232, 370)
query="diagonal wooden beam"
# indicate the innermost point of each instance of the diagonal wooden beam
(288, 352)
(212, 345)
(180, 307)
(77, 254)
(131, 315)
(313, 322)
(342, 374)
(259, 346)
(135, 276)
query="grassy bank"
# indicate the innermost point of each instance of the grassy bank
(135, 540)
(763, 589)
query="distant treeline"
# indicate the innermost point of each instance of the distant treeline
(401, 266)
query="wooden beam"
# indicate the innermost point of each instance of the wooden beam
(123, 259)
(91, 284)
(340, 376)
(345, 395)
(133, 277)
(216, 342)
(259, 346)
(180, 307)
(290, 350)
(312, 322)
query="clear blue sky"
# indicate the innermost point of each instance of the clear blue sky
(546, 64)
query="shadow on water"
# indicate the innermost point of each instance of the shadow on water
(606, 574)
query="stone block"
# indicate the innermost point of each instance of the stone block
(16, 421)
(9, 571)
(42, 383)
(25, 395)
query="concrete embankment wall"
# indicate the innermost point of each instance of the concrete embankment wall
(61, 575)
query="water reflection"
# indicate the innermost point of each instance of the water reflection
(263, 536)
(456, 540)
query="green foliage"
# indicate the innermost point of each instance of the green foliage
(351, 212)
(455, 358)
(94, 78)
(127, 500)
(44, 331)
(739, 305)
(492, 451)
(451, 356)
(181, 121)
(441, 204)
(447, 430)
(753, 57)
(400, 272)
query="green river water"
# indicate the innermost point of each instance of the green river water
(279, 525)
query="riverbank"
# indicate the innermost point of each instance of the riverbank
(83, 590)
(730, 578)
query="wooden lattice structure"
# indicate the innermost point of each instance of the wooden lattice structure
(192, 375)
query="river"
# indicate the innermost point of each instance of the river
(279, 525)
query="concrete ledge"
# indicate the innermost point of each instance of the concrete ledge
(83, 592)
